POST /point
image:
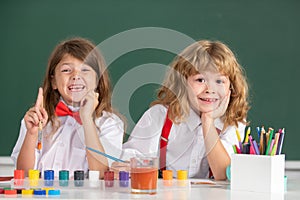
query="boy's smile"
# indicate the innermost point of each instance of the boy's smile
(206, 90)
(208, 100)
(73, 79)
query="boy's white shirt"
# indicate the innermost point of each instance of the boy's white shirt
(66, 149)
(185, 149)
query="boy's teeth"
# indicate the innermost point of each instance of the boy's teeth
(209, 100)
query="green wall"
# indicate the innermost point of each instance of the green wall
(264, 34)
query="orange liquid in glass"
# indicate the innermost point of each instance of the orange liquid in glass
(144, 179)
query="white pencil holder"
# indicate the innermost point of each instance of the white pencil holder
(257, 173)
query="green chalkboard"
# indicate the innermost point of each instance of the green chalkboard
(264, 34)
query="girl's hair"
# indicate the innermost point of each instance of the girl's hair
(202, 56)
(85, 51)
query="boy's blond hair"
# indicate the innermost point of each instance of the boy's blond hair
(202, 56)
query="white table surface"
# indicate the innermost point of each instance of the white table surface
(194, 192)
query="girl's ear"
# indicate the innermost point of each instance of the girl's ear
(53, 83)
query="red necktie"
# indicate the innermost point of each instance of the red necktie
(62, 110)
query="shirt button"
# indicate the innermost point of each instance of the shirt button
(194, 161)
(62, 144)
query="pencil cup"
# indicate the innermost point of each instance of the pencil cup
(257, 173)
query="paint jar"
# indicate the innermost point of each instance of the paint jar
(19, 190)
(64, 178)
(182, 175)
(27, 193)
(1, 191)
(167, 177)
(182, 178)
(10, 193)
(34, 176)
(144, 174)
(48, 177)
(53, 193)
(47, 189)
(228, 172)
(78, 178)
(39, 192)
(109, 178)
(19, 176)
(94, 178)
(123, 179)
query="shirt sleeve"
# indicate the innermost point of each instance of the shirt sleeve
(111, 135)
(19, 143)
(144, 138)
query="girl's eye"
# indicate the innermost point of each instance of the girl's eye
(86, 70)
(201, 80)
(65, 70)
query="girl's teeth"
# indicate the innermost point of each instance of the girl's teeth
(76, 87)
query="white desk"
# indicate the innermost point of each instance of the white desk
(194, 192)
(6, 166)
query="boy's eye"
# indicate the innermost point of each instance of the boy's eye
(220, 81)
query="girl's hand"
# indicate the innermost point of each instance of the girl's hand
(220, 110)
(116, 167)
(88, 105)
(36, 114)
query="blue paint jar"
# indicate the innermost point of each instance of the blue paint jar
(48, 177)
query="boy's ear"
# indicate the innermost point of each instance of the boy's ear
(53, 83)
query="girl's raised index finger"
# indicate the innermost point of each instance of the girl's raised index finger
(39, 99)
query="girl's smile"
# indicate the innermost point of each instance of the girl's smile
(76, 87)
(73, 79)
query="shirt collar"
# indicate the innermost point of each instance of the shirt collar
(74, 109)
(193, 120)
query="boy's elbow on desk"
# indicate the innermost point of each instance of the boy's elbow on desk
(220, 177)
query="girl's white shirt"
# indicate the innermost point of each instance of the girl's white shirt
(66, 149)
(185, 149)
